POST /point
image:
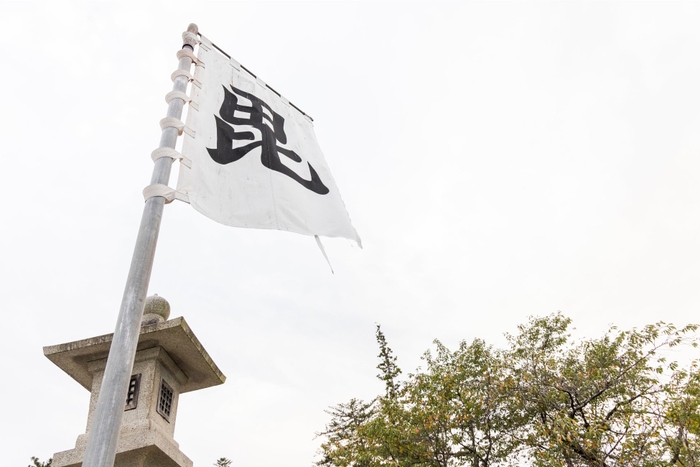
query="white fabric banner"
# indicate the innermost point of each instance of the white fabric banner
(255, 161)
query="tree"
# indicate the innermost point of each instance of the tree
(346, 443)
(461, 406)
(222, 462)
(599, 402)
(681, 434)
(453, 413)
(367, 434)
(545, 401)
(388, 368)
(37, 463)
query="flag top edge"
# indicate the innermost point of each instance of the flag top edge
(208, 42)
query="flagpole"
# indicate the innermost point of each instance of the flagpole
(103, 434)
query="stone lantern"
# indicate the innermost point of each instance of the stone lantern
(169, 361)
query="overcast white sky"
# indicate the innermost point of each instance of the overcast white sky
(499, 160)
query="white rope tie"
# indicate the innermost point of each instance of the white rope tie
(172, 122)
(177, 73)
(181, 95)
(171, 153)
(151, 191)
(190, 38)
(164, 191)
(187, 75)
(177, 95)
(186, 52)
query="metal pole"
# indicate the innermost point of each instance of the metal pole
(103, 434)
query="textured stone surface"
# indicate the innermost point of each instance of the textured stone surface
(175, 336)
(167, 351)
(143, 446)
(145, 437)
(155, 310)
(153, 364)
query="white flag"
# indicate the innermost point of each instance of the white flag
(254, 158)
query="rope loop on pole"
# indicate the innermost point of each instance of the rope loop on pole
(172, 122)
(179, 72)
(164, 191)
(187, 53)
(181, 95)
(189, 38)
(177, 95)
(151, 191)
(171, 153)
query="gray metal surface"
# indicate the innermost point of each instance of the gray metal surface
(104, 432)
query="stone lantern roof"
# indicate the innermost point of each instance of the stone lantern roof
(169, 361)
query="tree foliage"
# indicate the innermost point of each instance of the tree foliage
(388, 369)
(545, 400)
(37, 463)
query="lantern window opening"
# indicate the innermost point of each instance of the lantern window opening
(165, 400)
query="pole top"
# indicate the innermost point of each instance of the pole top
(189, 37)
(156, 310)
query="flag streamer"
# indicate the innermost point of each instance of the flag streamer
(323, 252)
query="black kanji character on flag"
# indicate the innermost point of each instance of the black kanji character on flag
(271, 126)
